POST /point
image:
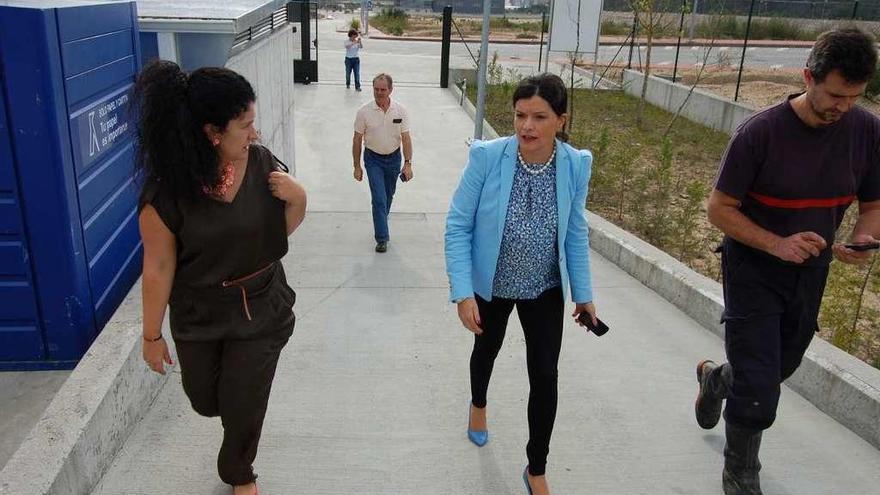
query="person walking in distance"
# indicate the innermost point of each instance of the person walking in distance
(352, 60)
(788, 176)
(381, 128)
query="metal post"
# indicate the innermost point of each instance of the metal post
(481, 73)
(306, 31)
(693, 21)
(855, 9)
(742, 59)
(541, 45)
(444, 47)
(678, 43)
(549, 35)
(632, 42)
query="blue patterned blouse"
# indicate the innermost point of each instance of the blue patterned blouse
(528, 262)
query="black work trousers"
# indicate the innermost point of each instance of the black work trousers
(232, 379)
(541, 319)
(770, 317)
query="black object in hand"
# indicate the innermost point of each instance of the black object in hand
(863, 246)
(600, 329)
(403, 177)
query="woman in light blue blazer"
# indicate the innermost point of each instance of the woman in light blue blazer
(516, 235)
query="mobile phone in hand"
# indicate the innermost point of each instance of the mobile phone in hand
(600, 329)
(403, 177)
(863, 246)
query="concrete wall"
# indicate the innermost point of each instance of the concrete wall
(702, 107)
(268, 65)
(87, 422)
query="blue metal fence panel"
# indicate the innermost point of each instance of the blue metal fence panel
(20, 337)
(68, 86)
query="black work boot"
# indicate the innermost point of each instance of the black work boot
(741, 464)
(714, 383)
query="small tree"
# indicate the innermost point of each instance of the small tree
(574, 57)
(648, 15)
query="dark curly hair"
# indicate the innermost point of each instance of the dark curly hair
(850, 51)
(550, 88)
(172, 109)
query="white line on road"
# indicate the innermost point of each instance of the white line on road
(776, 66)
(784, 48)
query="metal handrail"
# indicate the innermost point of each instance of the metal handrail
(261, 28)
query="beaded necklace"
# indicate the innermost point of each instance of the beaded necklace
(536, 168)
(227, 178)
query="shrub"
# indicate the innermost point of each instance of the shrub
(355, 24)
(500, 23)
(612, 28)
(392, 21)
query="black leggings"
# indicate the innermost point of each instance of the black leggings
(541, 319)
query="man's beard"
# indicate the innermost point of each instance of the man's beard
(827, 117)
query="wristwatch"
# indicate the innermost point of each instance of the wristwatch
(460, 299)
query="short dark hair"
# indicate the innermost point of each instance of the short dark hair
(352, 32)
(850, 51)
(550, 88)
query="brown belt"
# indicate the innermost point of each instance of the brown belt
(238, 283)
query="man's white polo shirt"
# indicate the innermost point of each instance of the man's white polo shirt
(381, 130)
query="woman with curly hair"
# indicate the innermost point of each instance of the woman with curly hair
(215, 213)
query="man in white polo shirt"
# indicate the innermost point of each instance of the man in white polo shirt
(381, 127)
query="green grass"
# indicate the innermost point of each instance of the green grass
(774, 28)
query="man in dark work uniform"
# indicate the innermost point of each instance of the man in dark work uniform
(788, 175)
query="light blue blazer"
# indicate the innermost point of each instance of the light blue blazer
(478, 211)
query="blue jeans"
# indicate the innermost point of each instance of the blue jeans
(353, 65)
(382, 173)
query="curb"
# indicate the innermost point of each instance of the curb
(488, 130)
(91, 416)
(841, 386)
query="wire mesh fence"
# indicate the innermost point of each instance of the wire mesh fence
(864, 10)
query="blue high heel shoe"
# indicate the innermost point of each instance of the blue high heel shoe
(526, 480)
(477, 437)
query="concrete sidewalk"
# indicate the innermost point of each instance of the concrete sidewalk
(372, 391)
